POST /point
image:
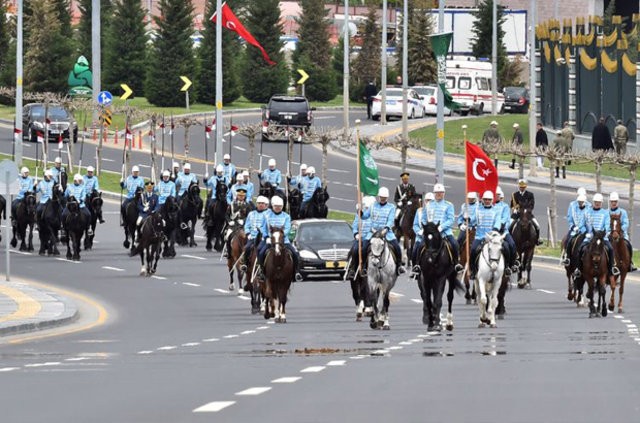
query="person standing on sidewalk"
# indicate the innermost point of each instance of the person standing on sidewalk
(516, 142)
(567, 132)
(560, 144)
(621, 137)
(601, 137)
(491, 141)
(542, 143)
(369, 92)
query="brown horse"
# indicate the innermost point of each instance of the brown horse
(469, 294)
(622, 259)
(405, 227)
(525, 237)
(595, 269)
(237, 242)
(278, 271)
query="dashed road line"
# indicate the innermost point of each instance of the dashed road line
(546, 291)
(190, 284)
(254, 391)
(145, 352)
(67, 261)
(222, 291)
(214, 407)
(313, 369)
(162, 278)
(288, 379)
(230, 336)
(210, 340)
(8, 369)
(416, 300)
(167, 348)
(192, 257)
(116, 269)
(247, 332)
(336, 363)
(190, 344)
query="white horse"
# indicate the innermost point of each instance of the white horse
(381, 278)
(489, 277)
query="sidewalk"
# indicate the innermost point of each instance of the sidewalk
(26, 308)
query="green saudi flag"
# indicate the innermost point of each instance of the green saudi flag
(440, 44)
(369, 183)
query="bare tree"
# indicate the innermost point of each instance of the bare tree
(251, 132)
(187, 123)
(631, 162)
(324, 136)
(403, 145)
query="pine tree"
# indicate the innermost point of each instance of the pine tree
(171, 55)
(49, 57)
(482, 30)
(125, 48)
(231, 56)
(4, 39)
(83, 32)
(261, 80)
(313, 51)
(338, 63)
(367, 66)
(423, 68)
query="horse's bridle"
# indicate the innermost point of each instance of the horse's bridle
(490, 260)
(380, 265)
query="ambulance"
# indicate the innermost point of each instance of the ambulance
(469, 82)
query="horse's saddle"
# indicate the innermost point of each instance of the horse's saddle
(446, 246)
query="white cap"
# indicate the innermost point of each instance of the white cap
(166, 173)
(262, 199)
(472, 195)
(58, 160)
(24, 170)
(368, 201)
(219, 168)
(311, 170)
(272, 162)
(429, 196)
(187, 166)
(303, 166)
(438, 188)
(614, 196)
(90, 169)
(488, 195)
(245, 173)
(597, 197)
(383, 192)
(77, 177)
(239, 177)
(175, 164)
(135, 169)
(226, 157)
(48, 172)
(276, 201)
(494, 123)
(516, 125)
(499, 192)
(582, 190)
(582, 197)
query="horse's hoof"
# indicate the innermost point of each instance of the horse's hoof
(449, 327)
(386, 327)
(359, 318)
(611, 307)
(521, 286)
(42, 253)
(30, 248)
(380, 323)
(283, 320)
(591, 315)
(230, 287)
(481, 325)
(620, 311)
(604, 312)
(255, 310)
(527, 286)
(209, 249)
(368, 312)
(500, 316)
(493, 326)
(23, 248)
(126, 244)
(373, 325)
(425, 320)
(570, 296)
(14, 243)
(69, 256)
(152, 271)
(469, 301)
(56, 253)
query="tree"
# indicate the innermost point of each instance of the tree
(5, 40)
(125, 48)
(48, 59)
(171, 55)
(231, 54)
(482, 35)
(83, 33)
(338, 62)
(313, 51)
(367, 66)
(261, 81)
(422, 67)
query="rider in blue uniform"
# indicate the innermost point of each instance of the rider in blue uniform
(382, 215)
(466, 217)
(230, 171)
(440, 212)
(277, 218)
(77, 191)
(271, 176)
(248, 184)
(504, 211)
(615, 209)
(91, 184)
(309, 185)
(295, 182)
(132, 183)
(184, 180)
(57, 169)
(598, 220)
(45, 189)
(354, 255)
(487, 220)
(253, 225)
(231, 194)
(27, 184)
(212, 185)
(577, 222)
(166, 188)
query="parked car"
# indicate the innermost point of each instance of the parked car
(61, 122)
(323, 245)
(516, 99)
(394, 104)
(429, 96)
(285, 111)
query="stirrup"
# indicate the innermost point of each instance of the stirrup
(416, 269)
(507, 271)
(459, 268)
(516, 263)
(351, 273)
(632, 268)
(243, 268)
(363, 272)
(298, 277)
(577, 273)
(401, 270)
(565, 261)
(615, 271)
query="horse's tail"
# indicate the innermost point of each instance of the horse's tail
(457, 285)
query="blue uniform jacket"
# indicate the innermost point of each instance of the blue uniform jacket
(309, 186)
(231, 194)
(253, 223)
(439, 212)
(366, 225)
(78, 192)
(165, 190)
(274, 219)
(598, 220)
(55, 173)
(131, 184)
(577, 218)
(487, 220)
(382, 216)
(150, 202)
(184, 180)
(230, 172)
(26, 185)
(273, 177)
(467, 210)
(45, 188)
(91, 184)
(504, 211)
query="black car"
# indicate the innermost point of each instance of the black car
(323, 245)
(516, 99)
(285, 112)
(61, 122)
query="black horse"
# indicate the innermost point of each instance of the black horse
(171, 214)
(94, 203)
(295, 202)
(75, 224)
(25, 217)
(437, 267)
(3, 211)
(150, 243)
(129, 218)
(190, 210)
(49, 223)
(215, 219)
(268, 190)
(317, 206)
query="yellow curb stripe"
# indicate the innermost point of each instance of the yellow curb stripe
(27, 306)
(395, 131)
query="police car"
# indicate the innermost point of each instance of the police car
(415, 108)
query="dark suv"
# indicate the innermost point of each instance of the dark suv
(61, 122)
(285, 112)
(516, 99)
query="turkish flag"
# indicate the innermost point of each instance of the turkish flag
(207, 131)
(482, 175)
(231, 22)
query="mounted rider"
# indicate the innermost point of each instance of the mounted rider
(236, 215)
(614, 209)
(175, 171)
(45, 189)
(132, 183)
(252, 226)
(486, 219)
(91, 184)
(248, 184)
(147, 203)
(577, 222)
(230, 171)
(354, 255)
(27, 184)
(184, 180)
(382, 214)
(296, 181)
(57, 170)
(428, 198)
(309, 185)
(78, 192)
(405, 191)
(597, 219)
(231, 194)
(522, 196)
(466, 217)
(271, 176)
(277, 218)
(212, 185)
(503, 210)
(166, 188)
(440, 212)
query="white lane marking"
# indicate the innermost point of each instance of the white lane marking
(417, 301)
(222, 291)
(383, 351)
(290, 379)
(214, 407)
(247, 332)
(618, 317)
(190, 284)
(24, 253)
(626, 321)
(210, 340)
(48, 363)
(631, 326)
(546, 291)
(387, 178)
(239, 148)
(193, 257)
(8, 369)
(415, 340)
(162, 278)
(349, 200)
(145, 352)
(405, 343)
(117, 269)
(230, 336)
(313, 369)
(167, 348)
(255, 391)
(339, 170)
(336, 363)
(242, 297)
(108, 160)
(76, 359)
(636, 339)
(262, 327)
(395, 347)
(68, 261)
(191, 344)
(395, 294)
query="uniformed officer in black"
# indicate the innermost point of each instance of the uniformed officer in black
(522, 196)
(405, 191)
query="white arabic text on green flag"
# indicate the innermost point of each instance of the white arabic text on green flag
(440, 44)
(369, 182)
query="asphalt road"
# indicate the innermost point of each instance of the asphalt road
(179, 342)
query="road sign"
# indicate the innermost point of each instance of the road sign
(187, 83)
(8, 171)
(305, 76)
(106, 117)
(127, 91)
(105, 98)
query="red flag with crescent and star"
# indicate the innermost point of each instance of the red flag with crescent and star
(482, 175)
(231, 22)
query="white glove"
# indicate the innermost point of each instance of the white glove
(409, 203)
(463, 227)
(589, 236)
(60, 188)
(146, 208)
(121, 180)
(231, 223)
(164, 223)
(421, 232)
(440, 228)
(268, 241)
(357, 236)
(249, 238)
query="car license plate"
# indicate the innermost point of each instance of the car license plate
(288, 117)
(507, 107)
(55, 131)
(336, 264)
(391, 102)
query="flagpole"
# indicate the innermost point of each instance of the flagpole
(231, 137)
(171, 139)
(360, 211)
(163, 126)
(466, 203)
(219, 122)
(206, 146)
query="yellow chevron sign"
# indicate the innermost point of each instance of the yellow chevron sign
(305, 76)
(127, 91)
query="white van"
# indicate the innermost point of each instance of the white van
(469, 82)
